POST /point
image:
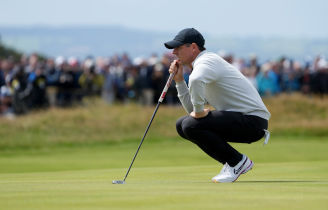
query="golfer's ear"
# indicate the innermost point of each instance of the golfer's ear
(194, 46)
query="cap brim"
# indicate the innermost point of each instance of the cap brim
(172, 44)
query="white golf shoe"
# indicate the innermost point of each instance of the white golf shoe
(231, 174)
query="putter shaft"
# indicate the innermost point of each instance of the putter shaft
(160, 100)
(135, 155)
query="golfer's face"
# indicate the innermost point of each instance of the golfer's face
(184, 53)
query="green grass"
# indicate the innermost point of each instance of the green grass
(97, 123)
(172, 174)
(67, 159)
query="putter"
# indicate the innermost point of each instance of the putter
(160, 100)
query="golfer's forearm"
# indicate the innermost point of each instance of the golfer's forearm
(197, 93)
(184, 96)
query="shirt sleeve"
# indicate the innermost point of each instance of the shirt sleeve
(202, 75)
(184, 96)
(197, 94)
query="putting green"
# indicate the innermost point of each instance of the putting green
(288, 174)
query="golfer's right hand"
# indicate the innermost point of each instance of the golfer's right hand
(177, 68)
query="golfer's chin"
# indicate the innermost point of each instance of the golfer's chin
(183, 62)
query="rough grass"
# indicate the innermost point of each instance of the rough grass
(99, 123)
(298, 115)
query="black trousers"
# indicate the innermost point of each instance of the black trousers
(213, 132)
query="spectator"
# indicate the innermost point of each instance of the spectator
(108, 92)
(52, 78)
(6, 92)
(253, 65)
(65, 83)
(145, 85)
(266, 81)
(19, 85)
(158, 80)
(91, 82)
(118, 71)
(36, 88)
(320, 78)
(130, 82)
(250, 74)
(305, 80)
(76, 71)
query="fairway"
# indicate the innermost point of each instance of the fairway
(172, 174)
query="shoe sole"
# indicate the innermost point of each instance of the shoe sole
(249, 167)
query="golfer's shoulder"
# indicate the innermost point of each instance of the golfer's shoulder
(208, 60)
(206, 66)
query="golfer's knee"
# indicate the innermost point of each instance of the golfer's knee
(188, 130)
(179, 127)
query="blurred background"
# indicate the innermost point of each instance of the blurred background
(56, 53)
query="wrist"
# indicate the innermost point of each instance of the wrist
(200, 114)
(178, 80)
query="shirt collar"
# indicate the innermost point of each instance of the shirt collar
(200, 54)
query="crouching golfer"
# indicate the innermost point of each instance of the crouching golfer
(239, 115)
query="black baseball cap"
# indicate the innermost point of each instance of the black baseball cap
(188, 35)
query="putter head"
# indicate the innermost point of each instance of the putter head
(118, 182)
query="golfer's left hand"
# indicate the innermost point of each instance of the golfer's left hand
(200, 114)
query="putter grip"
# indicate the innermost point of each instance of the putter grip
(167, 85)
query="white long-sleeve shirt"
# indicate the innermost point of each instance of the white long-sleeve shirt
(215, 81)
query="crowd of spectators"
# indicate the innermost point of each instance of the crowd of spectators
(34, 82)
(285, 75)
